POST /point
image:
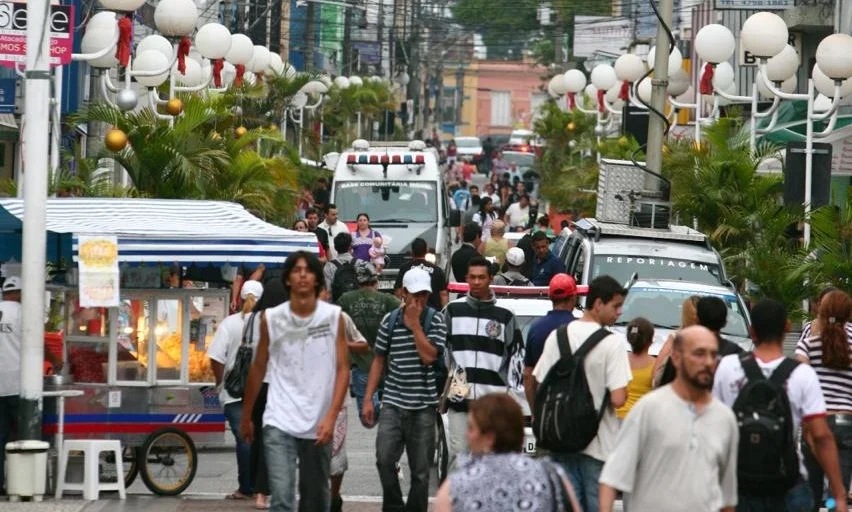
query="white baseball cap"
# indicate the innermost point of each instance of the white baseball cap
(417, 280)
(12, 284)
(515, 256)
(251, 287)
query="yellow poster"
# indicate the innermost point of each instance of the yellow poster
(98, 265)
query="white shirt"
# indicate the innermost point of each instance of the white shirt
(333, 230)
(518, 216)
(803, 389)
(301, 369)
(226, 343)
(10, 348)
(607, 367)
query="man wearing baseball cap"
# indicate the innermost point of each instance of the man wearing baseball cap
(411, 339)
(563, 295)
(513, 275)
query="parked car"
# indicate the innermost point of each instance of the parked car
(469, 148)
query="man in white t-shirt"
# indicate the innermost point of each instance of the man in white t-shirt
(223, 354)
(333, 226)
(518, 214)
(607, 368)
(677, 449)
(769, 324)
(304, 355)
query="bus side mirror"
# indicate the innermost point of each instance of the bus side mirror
(455, 218)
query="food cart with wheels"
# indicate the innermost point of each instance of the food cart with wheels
(142, 366)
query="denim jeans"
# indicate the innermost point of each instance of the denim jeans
(583, 473)
(8, 424)
(285, 455)
(841, 426)
(413, 431)
(798, 499)
(358, 387)
(234, 414)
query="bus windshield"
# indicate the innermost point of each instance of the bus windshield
(387, 201)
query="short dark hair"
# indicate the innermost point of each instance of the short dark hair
(329, 206)
(768, 320)
(470, 232)
(539, 236)
(712, 313)
(480, 261)
(314, 266)
(473, 187)
(419, 247)
(364, 214)
(322, 179)
(311, 211)
(342, 242)
(543, 221)
(564, 224)
(523, 196)
(604, 288)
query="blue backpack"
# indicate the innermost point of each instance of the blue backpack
(439, 366)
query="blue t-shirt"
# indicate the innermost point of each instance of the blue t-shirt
(462, 199)
(543, 271)
(540, 330)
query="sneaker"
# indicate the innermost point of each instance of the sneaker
(336, 504)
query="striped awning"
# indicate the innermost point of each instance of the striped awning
(159, 230)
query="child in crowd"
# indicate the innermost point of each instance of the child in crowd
(377, 254)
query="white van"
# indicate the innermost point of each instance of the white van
(401, 188)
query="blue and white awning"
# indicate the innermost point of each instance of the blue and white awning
(158, 231)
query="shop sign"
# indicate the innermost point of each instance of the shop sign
(98, 265)
(754, 5)
(13, 33)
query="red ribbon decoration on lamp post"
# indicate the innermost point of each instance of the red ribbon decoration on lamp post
(125, 33)
(218, 64)
(624, 93)
(601, 100)
(706, 85)
(183, 51)
(572, 103)
(241, 69)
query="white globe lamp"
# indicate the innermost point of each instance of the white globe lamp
(241, 51)
(357, 81)
(613, 96)
(97, 38)
(723, 76)
(688, 97)
(678, 83)
(175, 18)
(192, 76)
(603, 77)
(341, 82)
(575, 81)
(715, 43)
(764, 34)
(825, 85)
(403, 79)
(834, 56)
(276, 65)
(213, 41)
(229, 73)
(157, 43)
(643, 90)
(314, 87)
(557, 86)
(784, 65)
(592, 93)
(629, 67)
(788, 86)
(122, 5)
(299, 100)
(259, 61)
(150, 61)
(822, 103)
(675, 59)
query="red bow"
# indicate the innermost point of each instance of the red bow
(624, 94)
(238, 80)
(125, 32)
(183, 51)
(571, 102)
(601, 100)
(706, 85)
(218, 64)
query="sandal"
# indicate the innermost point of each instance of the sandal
(237, 495)
(262, 504)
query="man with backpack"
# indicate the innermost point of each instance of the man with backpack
(677, 448)
(772, 395)
(409, 353)
(583, 374)
(339, 272)
(482, 337)
(513, 275)
(439, 296)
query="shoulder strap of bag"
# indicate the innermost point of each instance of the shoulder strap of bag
(784, 370)
(591, 342)
(392, 320)
(562, 341)
(248, 330)
(750, 367)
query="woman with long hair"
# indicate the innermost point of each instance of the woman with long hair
(362, 238)
(830, 354)
(301, 226)
(664, 372)
(485, 217)
(274, 294)
(498, 476)
(640, 335)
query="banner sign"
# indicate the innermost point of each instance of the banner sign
(13, 33)
(97, 258)
(756, 5)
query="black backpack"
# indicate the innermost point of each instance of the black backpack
(344, 279)
(566, 418)
(767, 461)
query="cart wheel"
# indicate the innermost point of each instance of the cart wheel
(168, 462)
(106, 466)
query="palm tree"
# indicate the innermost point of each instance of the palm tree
(830, 262)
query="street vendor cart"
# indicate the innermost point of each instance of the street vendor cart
(142, 365)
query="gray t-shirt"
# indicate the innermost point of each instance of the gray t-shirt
(668, 458)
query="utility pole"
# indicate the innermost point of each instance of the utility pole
(656, 124)
(309, 38)
(381, 38)
(459, 98)
(347, 42)
(414, 86)
(558, 37)
(36, 127)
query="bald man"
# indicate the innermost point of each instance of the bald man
(677, 449)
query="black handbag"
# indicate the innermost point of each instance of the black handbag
(235, 380)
